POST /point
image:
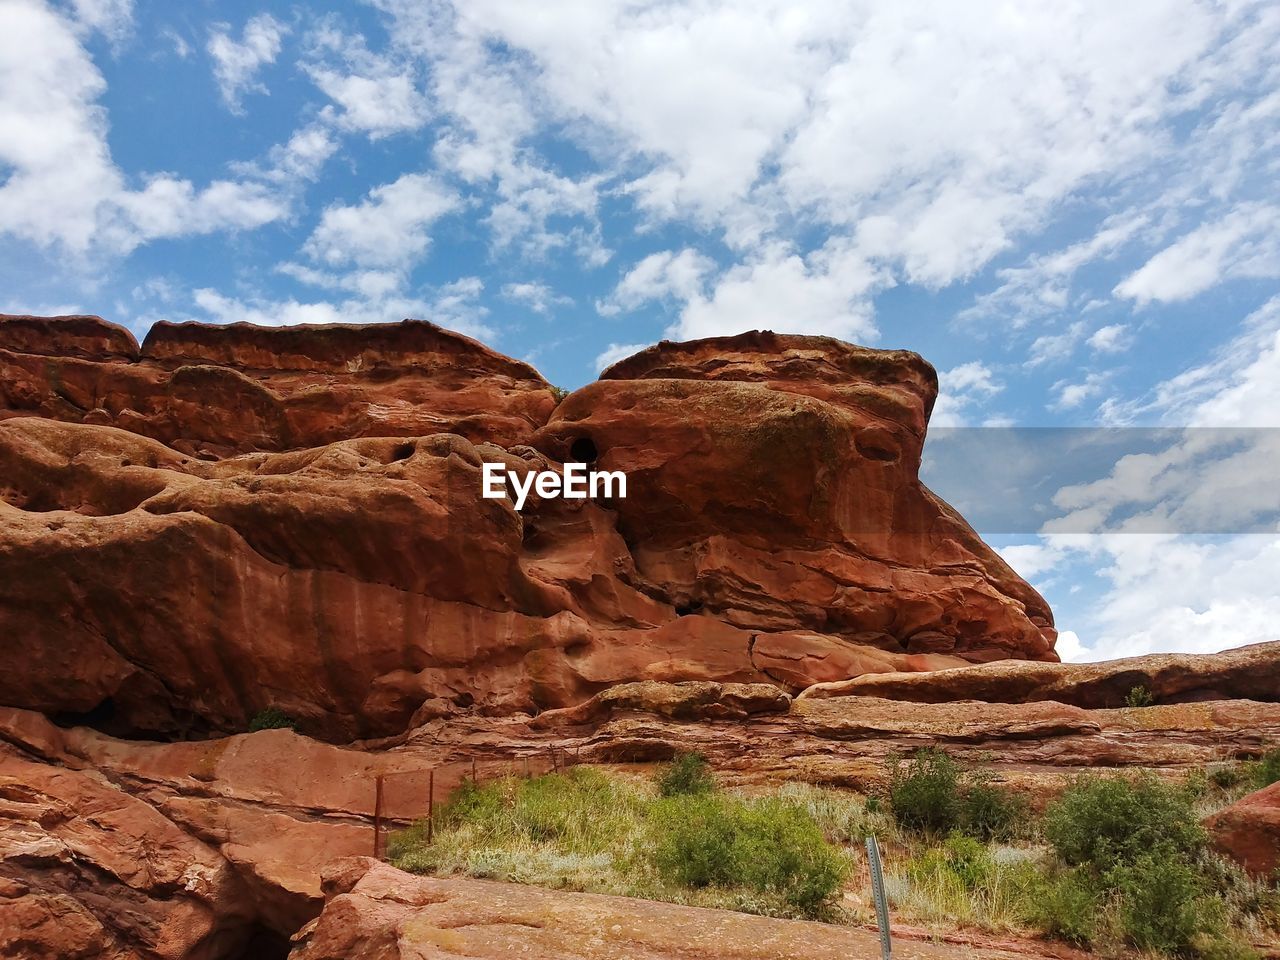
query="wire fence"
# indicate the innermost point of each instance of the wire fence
(407, 796)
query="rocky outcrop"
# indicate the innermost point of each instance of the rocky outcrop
(87, 871)
(774, 485)
(775, 530)
(1246, 673)
(212, 391)
(375, 912)
(1249, 831)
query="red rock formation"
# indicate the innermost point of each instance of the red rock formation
(775, 529)
(774, 485)
(1246, 673)
(87, 871)
(375, 912)
(216, 390)
(1249, 831)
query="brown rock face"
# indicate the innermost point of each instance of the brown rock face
(1249, 831)
(375, 912)
(217, 390)
(773, 483)
(87, 871)
(1247, 673)
(774, 529)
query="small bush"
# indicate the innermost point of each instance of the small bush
(924, 792)
(687, 775)
(1067, 904)
(991, 813)
(1139, 696)
(272, 718)
(559, 393)
(765, 845)
(1162, 904)
(931, 794)
(1103, 822)
(1227, 776)
(1266, 770)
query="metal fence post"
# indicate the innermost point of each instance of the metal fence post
(878, 894)
(377, 815)
(431, 804)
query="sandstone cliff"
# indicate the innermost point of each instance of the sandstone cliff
(231, 518)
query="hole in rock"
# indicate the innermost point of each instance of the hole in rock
(403, 452)
(99, 718)
(684, 610)
(464, 699)
(583, 450)
(265, 944)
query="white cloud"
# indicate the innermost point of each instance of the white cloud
(114, 18)
(827, 292)
(959, 390)
(236, 62)
(376, 95)
(169, 207)
(659, 276)
(1243, 243)
(453, 305)
(615, 352)
(1113, 338)
(538, 297)
(391, 228)
(1071, 395)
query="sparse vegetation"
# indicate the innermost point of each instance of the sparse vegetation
(559, 393)
(688, 774)
(1118, 865)
(587, 831)
(1139, 696)
(272, 718)
(930, 793)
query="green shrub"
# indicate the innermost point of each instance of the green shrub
(1266, 770)
(1162, 902)
(766, 845)
(559, 393)
(1222, 948)
(688, 774)
(1139, 696)
(924, 792)
(272, 718)
(1227, 776)
(1067, 905)
(930, 793)
(1103, 822)
(962, 858)
(991, 813)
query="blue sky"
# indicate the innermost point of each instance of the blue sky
(1071, 210)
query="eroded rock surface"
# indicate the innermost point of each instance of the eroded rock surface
(279, 549)
(375, 911)
(215, 390)
(1246, 673)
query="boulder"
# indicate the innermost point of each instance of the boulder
(375, 912)
(1248, 831)
(86, 870)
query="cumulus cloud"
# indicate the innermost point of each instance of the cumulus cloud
(1243, 243)
(375, 95)
(667, 275)
(236, 62)
(390, 228)
(617, 351)
(455, 305)
(538, 297)
(960, 389)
